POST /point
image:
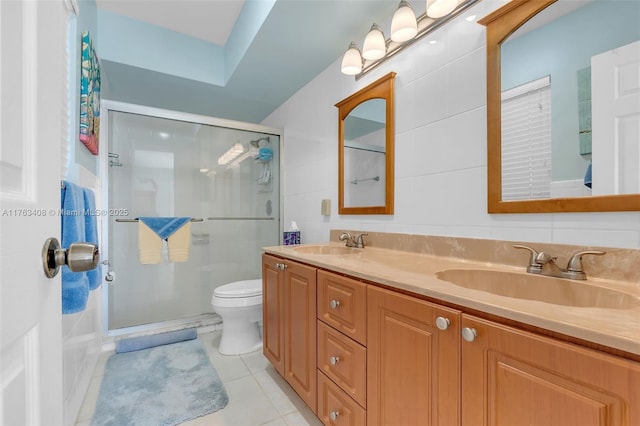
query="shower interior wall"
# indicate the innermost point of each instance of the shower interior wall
(170, 168)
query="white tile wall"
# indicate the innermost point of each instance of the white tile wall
(440, 107)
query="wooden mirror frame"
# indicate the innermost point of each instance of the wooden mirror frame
(383, 88)
(501, 24)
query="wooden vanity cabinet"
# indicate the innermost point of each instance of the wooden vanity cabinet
(413, 361)
(387, 358)
(513, 377)
(289, 323)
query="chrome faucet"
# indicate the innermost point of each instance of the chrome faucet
(351, 241)
(573, 271)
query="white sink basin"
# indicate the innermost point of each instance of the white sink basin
(557, 291)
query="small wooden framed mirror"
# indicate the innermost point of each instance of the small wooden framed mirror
(365, 149)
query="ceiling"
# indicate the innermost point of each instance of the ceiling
(294, 41)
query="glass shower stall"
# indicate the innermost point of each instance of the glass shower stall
(223, 174)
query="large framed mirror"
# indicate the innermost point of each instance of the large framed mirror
(563, 106)
(365, 149)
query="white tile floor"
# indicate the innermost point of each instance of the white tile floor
(258, 395)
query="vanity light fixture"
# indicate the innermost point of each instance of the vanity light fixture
(232, 153)
(405, 30)
(440, 8)
(404, 25)
(375, 46)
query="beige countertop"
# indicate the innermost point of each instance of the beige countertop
(416, 273)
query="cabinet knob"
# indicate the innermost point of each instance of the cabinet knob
(281, 266)
(333, 360)
(334, 304)
(469, 334)
(334, 415)
(443, 323)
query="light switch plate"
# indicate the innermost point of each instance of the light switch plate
(325, 209)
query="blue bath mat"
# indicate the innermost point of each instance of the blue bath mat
(163, 385)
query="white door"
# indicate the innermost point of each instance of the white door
(32, 128)
(615, 82)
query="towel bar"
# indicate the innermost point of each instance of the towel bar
(240, 218)
(136, 220)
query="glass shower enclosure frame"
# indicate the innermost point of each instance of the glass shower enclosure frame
(216, 222)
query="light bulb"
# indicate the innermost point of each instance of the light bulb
(403, 25)
(375, 46)
(440, 8)
(352, 61)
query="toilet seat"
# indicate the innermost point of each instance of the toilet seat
(247, 288)
(238, 294)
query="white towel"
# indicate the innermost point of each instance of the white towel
(149, 245)
(178, 244)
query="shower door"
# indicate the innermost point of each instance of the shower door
(223, 176)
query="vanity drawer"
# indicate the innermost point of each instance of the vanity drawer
(336, 407)
(342, 303)
(344, 361)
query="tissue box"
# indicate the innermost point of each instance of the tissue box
(291, 237)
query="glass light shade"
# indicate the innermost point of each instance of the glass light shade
(352, 61)
(440, 8)
(375, 46)
(404, 25)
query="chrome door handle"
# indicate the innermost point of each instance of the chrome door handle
(78, 257)
(334, 304)
(334, 415)
(333, 360)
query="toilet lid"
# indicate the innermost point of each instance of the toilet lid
(245, 288)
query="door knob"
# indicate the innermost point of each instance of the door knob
(334, 415)
(334, 304)
(78, 257)
(333, 360)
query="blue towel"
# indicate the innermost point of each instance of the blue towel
(75, 285)
(164, 226)
(587, 176)
(91, 235)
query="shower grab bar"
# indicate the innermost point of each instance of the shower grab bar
(240, 218)
(136, 220)
(356, 181)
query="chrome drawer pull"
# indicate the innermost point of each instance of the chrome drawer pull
(334, 415)
(334, 304)
(333, 360)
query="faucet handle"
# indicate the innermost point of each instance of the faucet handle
(349, 241)
(575, 263)
(534, 267)
(345, 236)
(360, 240)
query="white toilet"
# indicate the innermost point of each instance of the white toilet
(240, 306)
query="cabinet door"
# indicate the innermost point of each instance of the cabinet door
(273, 311)
(413, 368)
(512, 377)
(300, 330)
